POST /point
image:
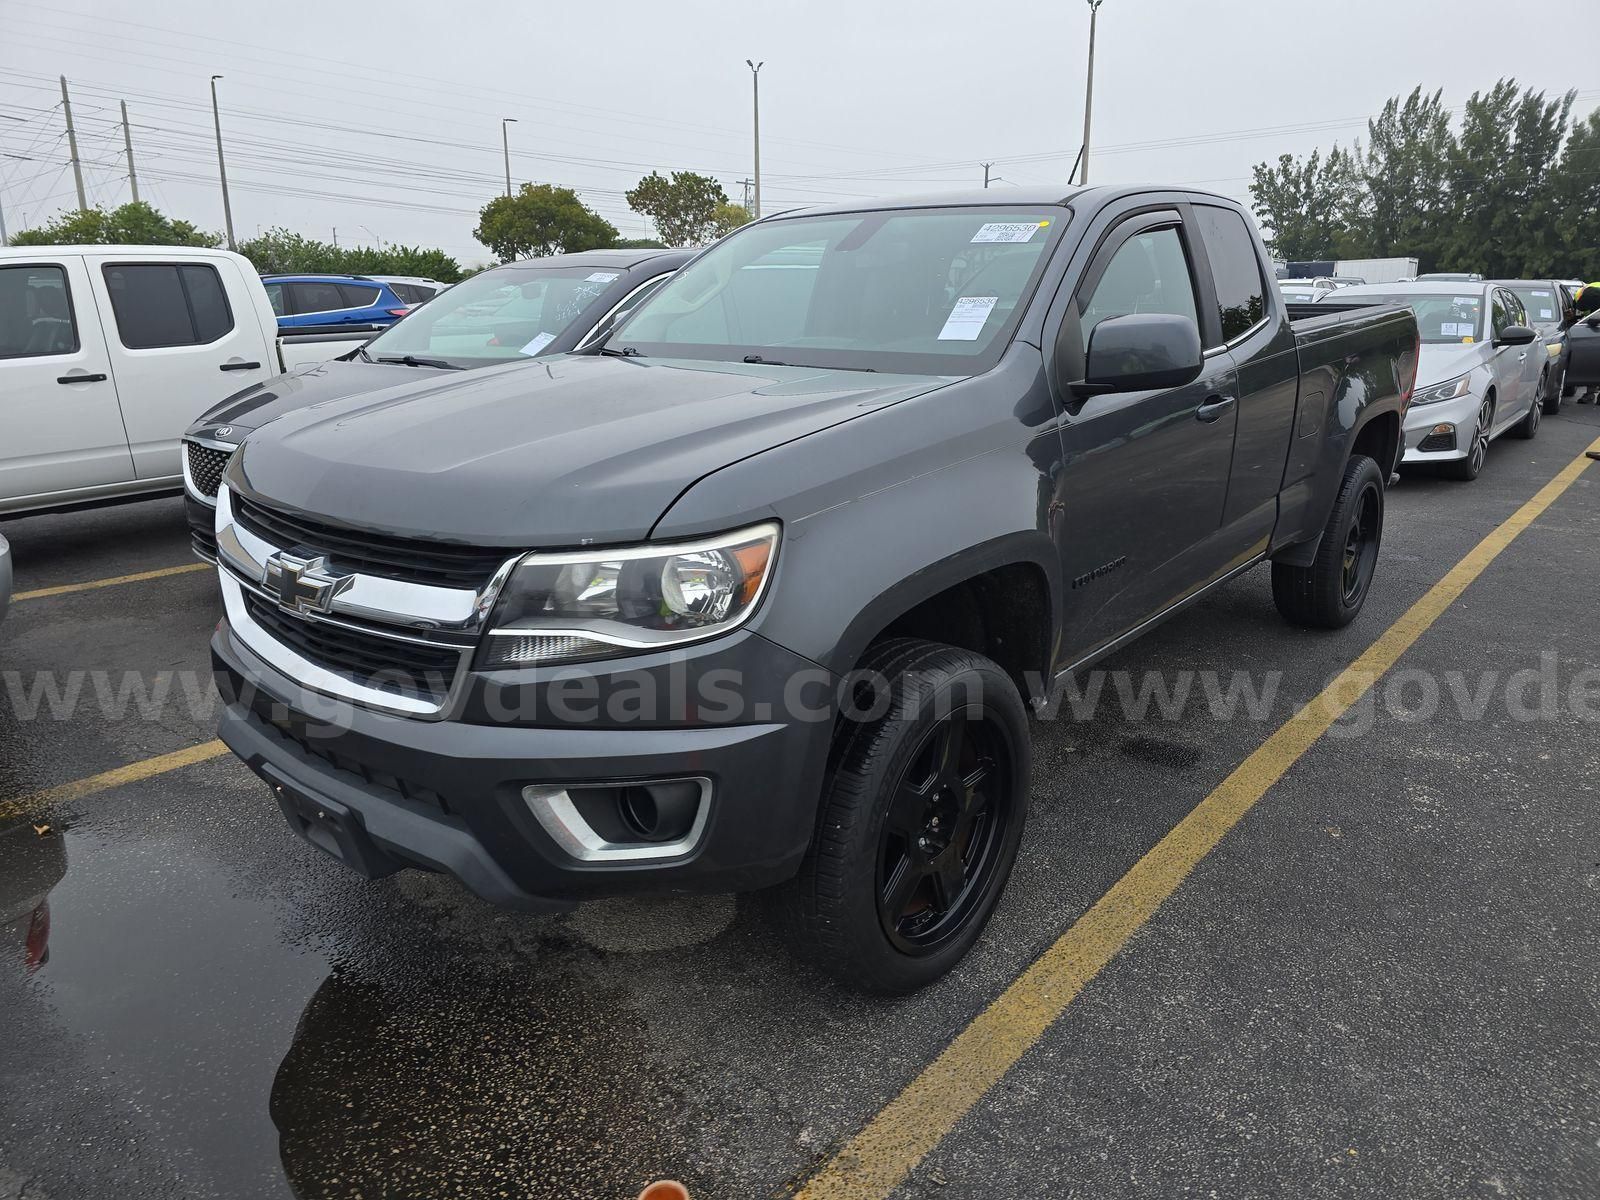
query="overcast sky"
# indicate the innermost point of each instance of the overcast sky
(383, 121)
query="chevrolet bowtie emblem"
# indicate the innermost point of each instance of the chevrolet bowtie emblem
(303, 584)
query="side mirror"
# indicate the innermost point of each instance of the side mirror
(1140, 352)
(1516, 335)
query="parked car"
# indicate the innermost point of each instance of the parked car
(524, 310)
(5, 576)
(33, 860)
(1583, 344)
(1302, 291)
(752, 591)
(410, 288)
(1550, 312)
(1480, 375)
(301, 301)
(107, 353)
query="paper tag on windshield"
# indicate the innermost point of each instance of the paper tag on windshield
(601, 277)
(966, 319)
(1007, 231)
(1470, 300)
(1545, 314)
(539, 342)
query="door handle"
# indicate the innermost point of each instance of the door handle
(81, 377)
(249, 366)
(1214, 407)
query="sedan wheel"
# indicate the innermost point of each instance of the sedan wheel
(1468, 468)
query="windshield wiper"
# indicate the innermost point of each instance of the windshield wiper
(624, 352)
(765, 362)
(772, 362)
(411, 360)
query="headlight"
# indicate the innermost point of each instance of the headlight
(560, 608)
(1433, 393)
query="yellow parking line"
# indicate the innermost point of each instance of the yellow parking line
(878, 1159)
(95, 584)
(40, 802)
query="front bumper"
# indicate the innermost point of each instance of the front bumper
(1460, 414)
(383, 792)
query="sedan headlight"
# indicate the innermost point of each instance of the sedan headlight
(573, 607)
(1436, 392)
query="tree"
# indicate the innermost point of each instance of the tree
(640, 244)
(1572, 195)
(729, 217)
(280, 252)
(1304, 203)
(1403, 178)
(136, 224)
(542, 219)
(684, 208)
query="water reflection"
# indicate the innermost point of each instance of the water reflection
(33, 859)
(520, 1083)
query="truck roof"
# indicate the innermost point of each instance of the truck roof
(121, 250)
(1026, 197)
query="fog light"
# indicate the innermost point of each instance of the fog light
(623, 822)
(1444, 429)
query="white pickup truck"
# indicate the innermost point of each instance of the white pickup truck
(107, 353)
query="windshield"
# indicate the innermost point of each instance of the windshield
(496, 316)
(1544, 308)
(1441, 317)
(927, 291)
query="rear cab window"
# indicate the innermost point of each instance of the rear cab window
(36, 317)
(160, 305)
(1235, 270)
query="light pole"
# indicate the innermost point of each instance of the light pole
(1088, 95)
(222, 166)
(505, 145)
(755, 85)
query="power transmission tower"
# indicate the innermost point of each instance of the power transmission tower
(72, 146)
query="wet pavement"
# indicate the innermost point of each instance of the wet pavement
(1384, 982)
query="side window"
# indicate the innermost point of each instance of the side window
(1502, 312)
(640, 296)
(409, 292)
(167, 304)
(35, 313)
(1235, 269)
(1148, 274)
(314, 297)
(276, 297)
(354, 296)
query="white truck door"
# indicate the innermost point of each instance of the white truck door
(60, 426)
(182, 334)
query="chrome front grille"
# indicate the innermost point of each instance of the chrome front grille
(369, 633)
(205, 465)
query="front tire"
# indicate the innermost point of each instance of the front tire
(1331, 591)
(920, 822)
(1469, 468)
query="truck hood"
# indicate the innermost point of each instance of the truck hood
(246, 411)
(562, 452)
(1440, 362)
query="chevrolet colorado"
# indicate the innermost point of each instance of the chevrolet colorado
(757, 592)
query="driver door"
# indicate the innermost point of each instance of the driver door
(1144, 477)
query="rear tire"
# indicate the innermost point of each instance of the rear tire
(920, 820)
(1529, 425)
(1331, 591)
(1553, 393)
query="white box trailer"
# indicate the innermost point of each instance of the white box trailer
(1376, 270)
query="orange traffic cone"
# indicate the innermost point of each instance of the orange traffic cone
(665, 1189)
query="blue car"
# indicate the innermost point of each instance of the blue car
(302, 300)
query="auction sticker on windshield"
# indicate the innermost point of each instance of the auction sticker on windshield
(1008, 231)
(966, 319)
(539, 342)
(600, 277)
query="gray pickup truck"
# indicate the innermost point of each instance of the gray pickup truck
(758, 592)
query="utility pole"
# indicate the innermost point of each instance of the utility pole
(72, 147)
(1088, 95)
(505, 144)
(755, 84)
(986, 177)
(127, 141)
(745, 184)
(222, 166)
(335, 237)
(3, 238)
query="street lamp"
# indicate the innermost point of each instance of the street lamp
(505, 144)
(222, 166)
(1088, 95)
(755, 84)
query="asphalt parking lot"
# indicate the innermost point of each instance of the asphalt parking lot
(1382, 981)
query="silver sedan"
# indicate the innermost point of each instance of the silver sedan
(1479, 373)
